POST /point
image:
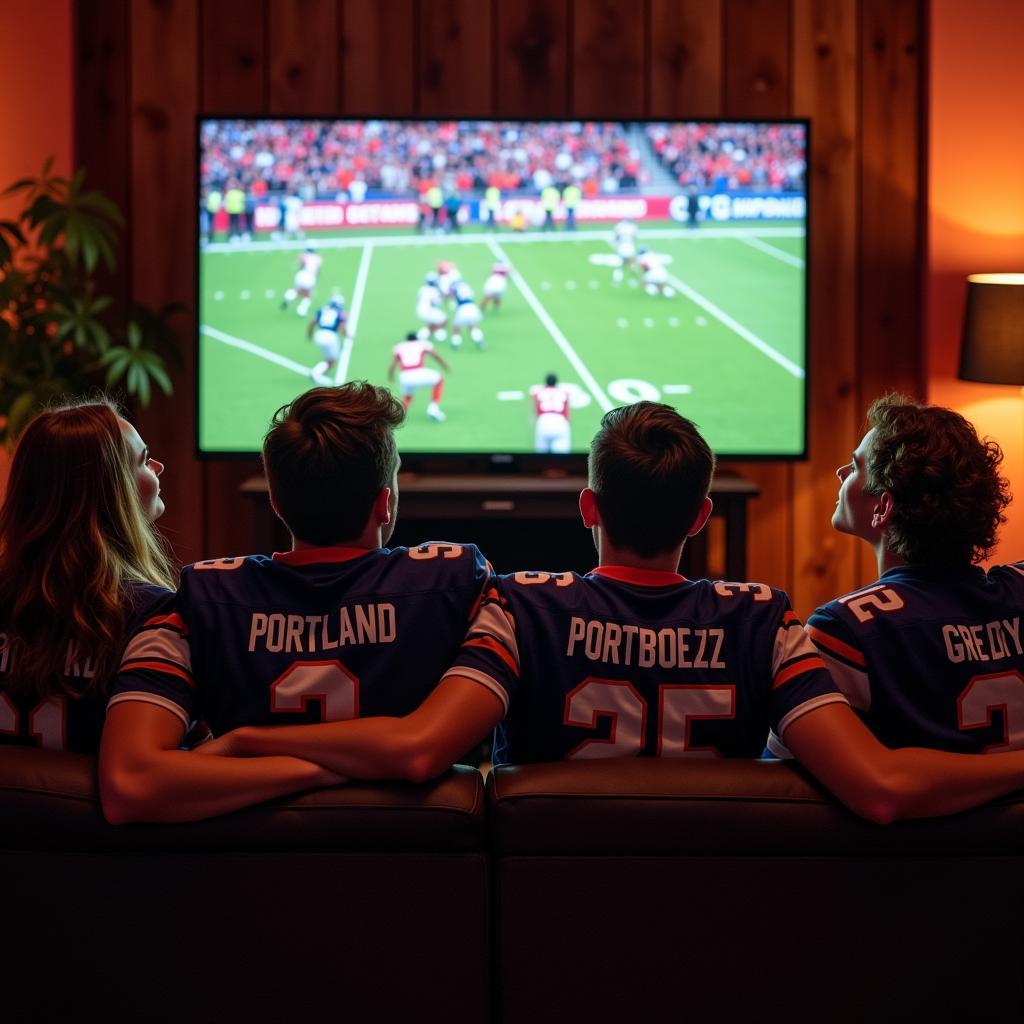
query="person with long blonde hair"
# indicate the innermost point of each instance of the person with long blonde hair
(80, 563)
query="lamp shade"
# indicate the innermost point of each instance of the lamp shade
(993, 337)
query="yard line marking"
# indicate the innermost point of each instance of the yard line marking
(509, 396)
(552, 328)
(341, 374)
(677, 389)
(734, 325)
(248, 346)
(433, 241)
(779, 254)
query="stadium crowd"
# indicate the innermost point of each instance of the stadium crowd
(723, 157)
(320, 159)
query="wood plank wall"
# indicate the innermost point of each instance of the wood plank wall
(147, 67)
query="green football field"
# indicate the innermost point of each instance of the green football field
(727, 350)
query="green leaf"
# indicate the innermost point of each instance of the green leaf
(21, 411)
(159, 374)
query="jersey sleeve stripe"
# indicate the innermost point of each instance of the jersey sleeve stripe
(164, 667)
(809, 705)
(142, 697)
(160, 644)
(823, 639)
(796, 668)
(790, 618)
(174, 621)
(489, 643)
(476, 676)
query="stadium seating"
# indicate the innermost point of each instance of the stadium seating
(639, 891)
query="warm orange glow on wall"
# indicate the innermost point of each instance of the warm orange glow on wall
(975, 209)
(36, 73)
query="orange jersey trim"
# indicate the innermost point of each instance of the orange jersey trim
(174, 619)
(796, 669)
(490, 644)
(160, 666)
(823, 639)
(789, 618)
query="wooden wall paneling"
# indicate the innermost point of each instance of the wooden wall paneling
(685, 69)
(455, 53)
(609, 58)
(757, 58)
(164, 77)
(101, 116)
(757, 84)
(302, 41)
(825, 38)
(232, 41)
(233, 80)
(377, 54)
(891, 208)
(532, 58)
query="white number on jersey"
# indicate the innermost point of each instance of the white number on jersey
(425, 552)
(222, 564)
(1001, 691)
(326, 681)
(678, 707)
(761, 591)
(562, 579)
(46, 722)
(877, 599)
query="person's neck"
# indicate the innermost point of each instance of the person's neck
(887, 559)
(610, 554)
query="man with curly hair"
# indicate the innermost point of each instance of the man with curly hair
(932, 653)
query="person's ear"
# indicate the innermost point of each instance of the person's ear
(885, 507)
(702, 517)
(588, 508)
(382, 506)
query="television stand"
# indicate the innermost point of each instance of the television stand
(529, 522)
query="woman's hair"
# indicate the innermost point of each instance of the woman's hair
(73, 540)
(949, 494)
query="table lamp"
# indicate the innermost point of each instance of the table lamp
(992, 348)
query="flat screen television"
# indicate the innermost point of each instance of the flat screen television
(494, 271)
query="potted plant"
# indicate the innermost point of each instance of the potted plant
(58, 336)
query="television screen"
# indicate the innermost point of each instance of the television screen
(509, 280)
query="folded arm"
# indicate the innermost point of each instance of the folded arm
(457, 715)
(883, 784)
(144, 777)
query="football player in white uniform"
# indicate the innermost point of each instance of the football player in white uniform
(429, 309)
(551, 404)
(409, 358)
(310, 262)
(655, 276)
(467, 314)
(448, 277)
(495, 286)
(326, 330)
(624, 237)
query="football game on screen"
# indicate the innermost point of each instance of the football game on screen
(510, 281)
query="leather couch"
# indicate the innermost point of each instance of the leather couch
(638, 890)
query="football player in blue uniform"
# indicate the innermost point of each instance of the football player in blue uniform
(80, 565)
(337, 628)
(932, 653)
(633, 659)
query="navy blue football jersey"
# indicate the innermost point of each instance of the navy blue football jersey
(330, 317)
(61, 722)
(932, 657)
(626, 662)
(315, 635)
